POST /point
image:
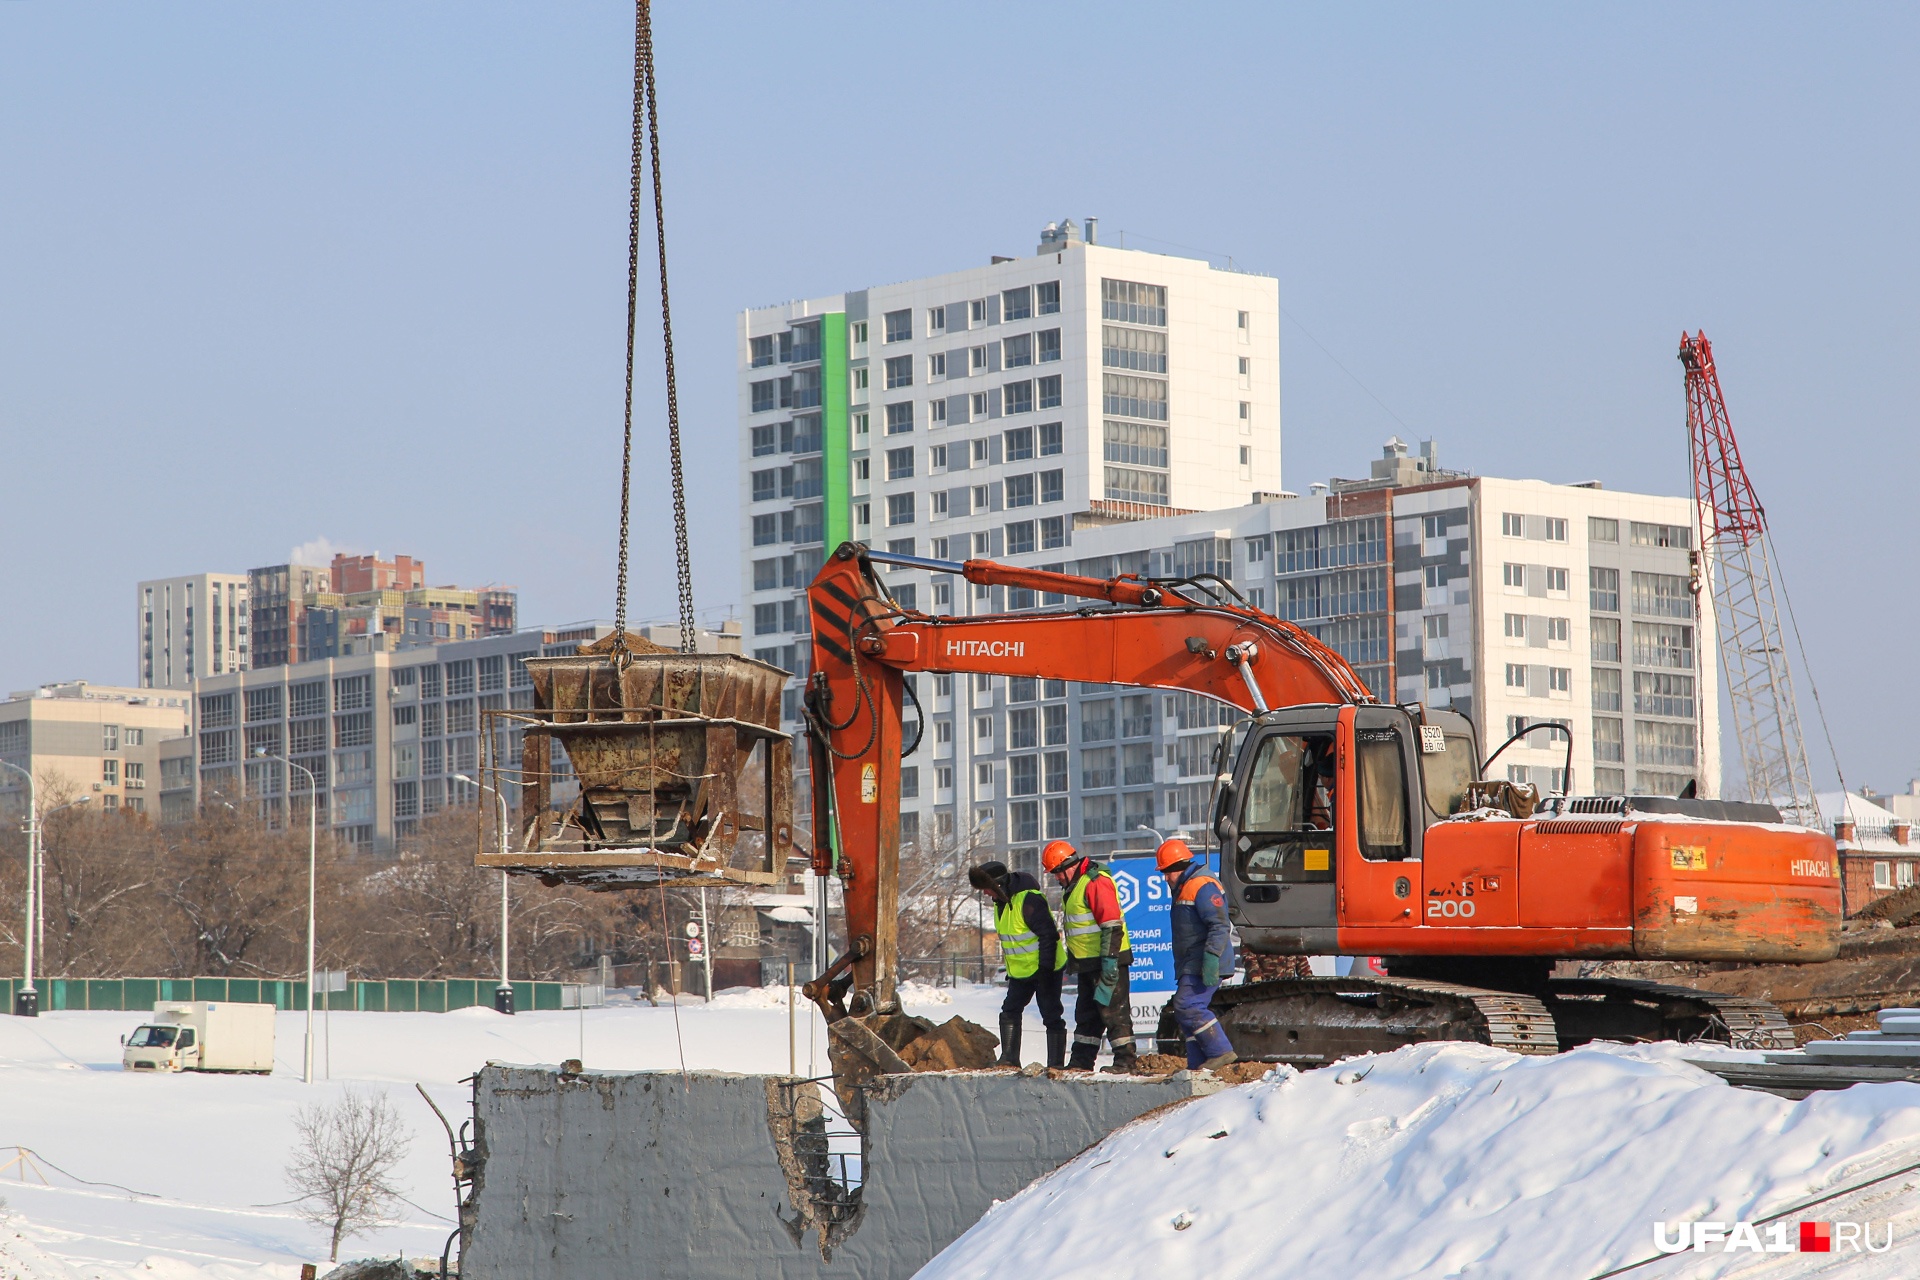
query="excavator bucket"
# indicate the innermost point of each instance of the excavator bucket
(639, 767)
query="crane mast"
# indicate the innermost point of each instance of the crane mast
(1736, 557)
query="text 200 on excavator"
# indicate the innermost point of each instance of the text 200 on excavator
(1345, 826)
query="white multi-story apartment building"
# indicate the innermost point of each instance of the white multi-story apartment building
(1515, 602)
(192, 626)
(990, 411)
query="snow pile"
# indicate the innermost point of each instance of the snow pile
(1457, 1159)
(182, 1177)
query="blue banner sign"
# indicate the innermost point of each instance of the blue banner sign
(1147, 903)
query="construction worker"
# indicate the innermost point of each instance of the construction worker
(1202, 952)
(1034, 954)
(1099, 952)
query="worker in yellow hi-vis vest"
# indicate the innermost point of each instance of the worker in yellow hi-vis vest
(1034, 954)
(1099, 951)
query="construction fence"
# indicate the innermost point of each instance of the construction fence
(366, 995)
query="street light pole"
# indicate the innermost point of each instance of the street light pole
(502, 994)
(313, 800)
(26, 1001)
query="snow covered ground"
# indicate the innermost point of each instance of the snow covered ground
(205, 1154)
(1462, 1160)
(1444, 1160)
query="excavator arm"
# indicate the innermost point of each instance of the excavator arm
(1143, 633)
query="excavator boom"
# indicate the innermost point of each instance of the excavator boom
(1185, 636)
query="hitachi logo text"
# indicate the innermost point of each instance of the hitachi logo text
(986, 648)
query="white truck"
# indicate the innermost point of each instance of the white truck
(202, 1035)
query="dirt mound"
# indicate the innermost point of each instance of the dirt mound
(1243, 1072)
(1158, 1064)
(954, 1045)
(1898, 909)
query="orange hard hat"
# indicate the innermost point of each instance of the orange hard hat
(1171, 854)
(1057, 854)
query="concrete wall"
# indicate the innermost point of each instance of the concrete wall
(639, 1175)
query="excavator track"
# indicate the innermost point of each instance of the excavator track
(1314, 1021)
(1586, 1009)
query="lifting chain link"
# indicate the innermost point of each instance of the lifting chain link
(646, 122)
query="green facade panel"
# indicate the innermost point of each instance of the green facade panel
(836, 449)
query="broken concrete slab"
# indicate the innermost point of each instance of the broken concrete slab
(608, 1176)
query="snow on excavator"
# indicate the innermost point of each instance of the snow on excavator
(1344, 826)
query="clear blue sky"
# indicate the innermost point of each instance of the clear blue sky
(271, 273)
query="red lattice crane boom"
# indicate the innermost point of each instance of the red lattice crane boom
(1736, 557)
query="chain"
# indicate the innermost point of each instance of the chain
(646, 120)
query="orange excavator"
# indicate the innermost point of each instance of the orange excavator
(1343, 826)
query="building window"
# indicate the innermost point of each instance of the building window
(936, 320)
(1656, 693)
(899, 508)
(1606, 689)
(900, 418)
(861, 379)
(1047, 297)
(1134, 349)
(899, 326)
(899, 372)
(1017, 397)
(1126, 396)
(1047, 345)
(1096, 721)
(1661, 595)
(762, 396)
(1660, 535)
(1136, 444)
(1517, 675)
(900, 464)
(1019, 491)
(1609, 744)
(937, 413)
(1657, 743)
(936, 366)
(1019, 444)
(1556, 529)
(1132, 303)
(1513, 577)
(1603, 590)
(1050, 391)
(1053, 720)
(1017, 351)
(1246, 455)
(1605, 639)
(1017, 304)
(1146, 487)
(1050, 439)
(1020, 535)
(760, 351)
(1602, 529)
(1512, 525)
(1560, 682)
(1556, 580)
(1662, 644)
(1883, 875)
(110, 773)
(977, 406)
(1053, 529)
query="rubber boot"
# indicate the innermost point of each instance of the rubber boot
(1057, 1048)
(1220, 1060)
(1009, 1041)
(1125, 1059)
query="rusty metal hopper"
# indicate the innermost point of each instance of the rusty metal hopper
(658, 766)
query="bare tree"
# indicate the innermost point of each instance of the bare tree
(343, 1167)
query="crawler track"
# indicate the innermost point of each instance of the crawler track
(1313, 1021)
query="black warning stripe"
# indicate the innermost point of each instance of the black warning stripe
(839, 593)
(834, 650)
(825, 617)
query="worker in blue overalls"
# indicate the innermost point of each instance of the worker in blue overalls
(1202, 952)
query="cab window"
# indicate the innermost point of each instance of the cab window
(186, 1039)
(1447, 775)
(1382, 798)
(1286, 822)
(152, 1037)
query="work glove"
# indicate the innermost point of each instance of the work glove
(1109, 978)
(1210, 970)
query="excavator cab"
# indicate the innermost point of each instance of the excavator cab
(1323, 796)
